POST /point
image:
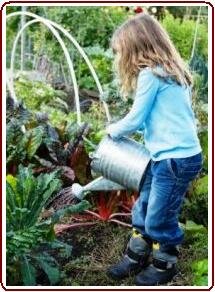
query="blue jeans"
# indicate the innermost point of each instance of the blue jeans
(155, 213)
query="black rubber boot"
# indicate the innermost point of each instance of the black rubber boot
(135, 258)
(161, 271)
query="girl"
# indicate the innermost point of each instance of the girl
(148, 65)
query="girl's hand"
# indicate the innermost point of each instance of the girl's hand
(109, 133)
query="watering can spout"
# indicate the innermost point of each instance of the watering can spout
(99, 184)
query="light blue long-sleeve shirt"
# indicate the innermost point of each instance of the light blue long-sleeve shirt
(162, 109)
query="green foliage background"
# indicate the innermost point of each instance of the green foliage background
(93, 27)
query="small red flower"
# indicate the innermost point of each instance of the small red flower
(138, 9)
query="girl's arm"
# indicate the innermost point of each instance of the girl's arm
(147, 87)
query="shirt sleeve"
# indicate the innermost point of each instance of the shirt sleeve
(147, 87)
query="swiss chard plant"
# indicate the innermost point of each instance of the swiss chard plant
(113, 207)
(32, 140)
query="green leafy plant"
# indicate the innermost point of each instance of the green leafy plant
(203, 136)
(28, 193)
(28, 234)
(196, 237)
(195, 207)
(192, 229)
(200, 72)
(26, 197)
(196, 243)
(102, 63)
(36, 93)
(200, 270)
(182, 34)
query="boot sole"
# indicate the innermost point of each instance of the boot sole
(159, 282)
(117, 277)
(130, 274)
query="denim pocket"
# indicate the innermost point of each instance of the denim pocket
(187, 168)
(172, 166)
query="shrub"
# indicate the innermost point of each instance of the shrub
(182, 34)
(195, 207)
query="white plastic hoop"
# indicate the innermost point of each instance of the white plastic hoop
(69, 61)
(51, 25)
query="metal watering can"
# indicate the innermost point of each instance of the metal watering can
(121, 163)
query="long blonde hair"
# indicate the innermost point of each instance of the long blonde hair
(142, 42)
